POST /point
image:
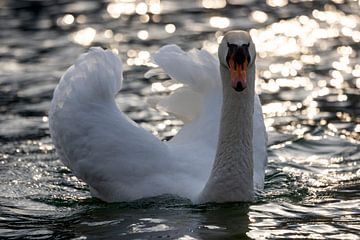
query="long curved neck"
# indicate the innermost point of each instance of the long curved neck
(231, 178)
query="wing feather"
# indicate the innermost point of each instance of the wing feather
(99, 143)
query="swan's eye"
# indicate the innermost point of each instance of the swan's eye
(237, 59)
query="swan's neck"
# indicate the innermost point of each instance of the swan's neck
(231, 178)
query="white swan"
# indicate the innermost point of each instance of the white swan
(123, 162)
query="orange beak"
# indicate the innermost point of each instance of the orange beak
(238, 74)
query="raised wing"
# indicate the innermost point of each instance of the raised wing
(99, 143)
(198, 102)
(197, 70)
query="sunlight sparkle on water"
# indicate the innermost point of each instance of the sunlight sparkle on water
(214, 3)
(144, 18)
(286, 69)
(143, 34)
(310, 59)
(157, 87)
(84, 36)
(119, 37)
(108, 33)
(219, 22)
(155, 6)
(163, 87)
(356, 71)
(138, 58)
(277, 3)
(286, 36)
(67, 19)
(187, 237)
(81, 19)
(141, 227)
(141, 8)
(259, 16)
(45, 147)
(337, 79)
(281, 108)
(270, 86)
(45, 119)
(115, 9)
(170, 28)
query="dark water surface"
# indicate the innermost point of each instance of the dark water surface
(309, 80)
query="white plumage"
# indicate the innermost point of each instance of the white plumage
(121, 161)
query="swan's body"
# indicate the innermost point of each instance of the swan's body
(122, 162)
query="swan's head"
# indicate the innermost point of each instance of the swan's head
(237, 54)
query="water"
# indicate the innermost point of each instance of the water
(309, 80)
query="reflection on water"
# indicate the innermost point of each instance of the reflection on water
(85, 36)
(308, 78)
(219, 22)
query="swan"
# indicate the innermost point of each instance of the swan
(219, 155)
